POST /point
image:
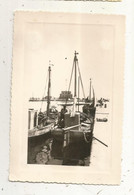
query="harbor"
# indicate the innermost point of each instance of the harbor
(67, 98)
(99, 154)
(65, 132)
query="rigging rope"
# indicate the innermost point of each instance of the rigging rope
(81, 81)
(70, 81)
(85, 138)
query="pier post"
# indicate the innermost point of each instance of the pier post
(32, 118)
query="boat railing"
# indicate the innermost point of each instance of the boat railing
(69, 128)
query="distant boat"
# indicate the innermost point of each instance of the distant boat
(89, 108)
(72, 138)
(101, 119)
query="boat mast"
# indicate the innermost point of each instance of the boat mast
(93, 97)
(78, 91)
(75, 82)
(48, 93)
(75, 76)
(90, 90)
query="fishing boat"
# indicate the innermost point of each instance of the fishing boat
(72, 138)
(44, 122)
(90, 108)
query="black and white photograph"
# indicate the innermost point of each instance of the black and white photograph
(68, 66)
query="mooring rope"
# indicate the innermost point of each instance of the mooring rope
(84, 133)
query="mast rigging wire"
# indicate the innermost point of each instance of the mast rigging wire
(79, 77)
(81, 80)
(70, 81)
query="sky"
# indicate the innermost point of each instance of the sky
(58, 42)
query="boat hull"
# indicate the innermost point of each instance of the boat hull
(76, 151)
(36, 140)
(71, 146)
(76, 136)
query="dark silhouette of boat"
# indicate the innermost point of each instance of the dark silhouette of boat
(46, 121)
(66, 137)
(72, 138)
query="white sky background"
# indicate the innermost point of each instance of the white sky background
(55, 42)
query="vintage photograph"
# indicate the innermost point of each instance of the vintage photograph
(67, 66)
(69, 110)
